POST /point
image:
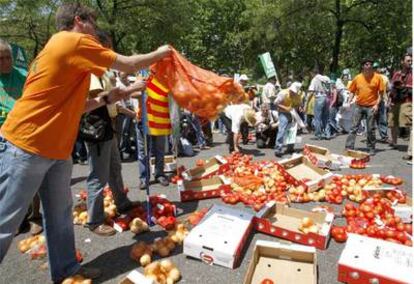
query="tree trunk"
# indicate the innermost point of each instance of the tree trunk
(338, 37)
(337, 47)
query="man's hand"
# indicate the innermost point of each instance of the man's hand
(117, 93)
(164, 50)
(375, 108)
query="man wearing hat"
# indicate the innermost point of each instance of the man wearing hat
(286, 100)
(234, 117)
(367, 87)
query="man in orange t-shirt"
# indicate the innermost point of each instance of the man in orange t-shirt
(367, 87)
(37, 138)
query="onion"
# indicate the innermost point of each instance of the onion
(174, 274)
(145, 259)
(167, 265)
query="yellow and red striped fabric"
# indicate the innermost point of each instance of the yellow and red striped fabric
(158, 113)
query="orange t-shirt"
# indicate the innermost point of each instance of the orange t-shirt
(367, 92)
(45, 120)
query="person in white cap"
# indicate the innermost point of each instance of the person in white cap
(243, 79)
(234, 118)
(286, 100)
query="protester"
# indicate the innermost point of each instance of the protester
(367, 87)
(39, 133)
(12, 80)
(286, 101)
(381, 117)
(319, 88)
(234, 118)
(269, 92)
(400, 114)
(104, 158)
(266, 127)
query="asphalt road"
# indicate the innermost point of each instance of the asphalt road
(111, 254)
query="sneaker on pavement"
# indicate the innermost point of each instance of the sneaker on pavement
(103, 230)
(407, 157)
(162, 180)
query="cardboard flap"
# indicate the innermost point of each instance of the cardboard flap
(203, 184)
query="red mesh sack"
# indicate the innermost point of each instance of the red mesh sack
(200, 91)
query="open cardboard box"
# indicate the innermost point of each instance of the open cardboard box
(369, 260)
(351, 156)
(220, 236)
(213, 166)
(203, 188)
(283, 222)
(321, 157)
(300, 171)
(282, 264)
(170, 164)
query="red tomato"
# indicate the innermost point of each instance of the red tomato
(409, 228)
(390, 234)
(266, 281)
(340, 238)
(200, 163)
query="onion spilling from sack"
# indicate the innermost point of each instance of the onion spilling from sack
(200, 91)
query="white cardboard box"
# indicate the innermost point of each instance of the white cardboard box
(220, 236)
(369, 260)
(282, 264)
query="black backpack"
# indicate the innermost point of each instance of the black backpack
(96, 126)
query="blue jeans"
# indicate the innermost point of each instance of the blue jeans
(201, 140)
(360, 113)
(321, 115)
(156, 146)
(22, 175)
(104, 167)
(382, 120)
(284, 119)
(332, 126)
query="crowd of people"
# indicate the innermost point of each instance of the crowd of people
(93, 115)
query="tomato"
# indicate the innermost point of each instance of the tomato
(408, 243)
(409, 228)
(266, 281)
(369, 215)
(79, 256)
(341, 238)
(349, 206)
(200, 163)
(390, 234)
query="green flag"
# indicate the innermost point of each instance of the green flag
(268, 65)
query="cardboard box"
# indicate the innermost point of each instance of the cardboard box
(283, 222)
(170, 164)
(220, 236)
(299, 168)
(369, 260)
(321, 157)
(136, 277)
(350, 156)
(203, 188)
(282, 264)
(216, 165)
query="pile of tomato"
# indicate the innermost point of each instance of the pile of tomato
(374, 218)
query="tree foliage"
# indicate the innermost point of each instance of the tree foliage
(227, 36)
